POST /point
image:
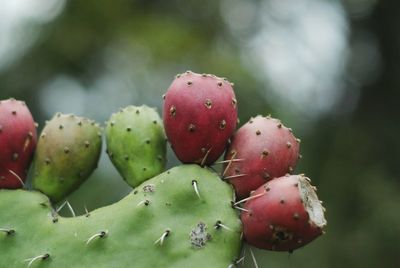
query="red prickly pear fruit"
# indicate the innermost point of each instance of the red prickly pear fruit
(17, 142)
(264, 149)
(283, 214)
(200, 115)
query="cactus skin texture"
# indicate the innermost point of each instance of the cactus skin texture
(283, 215)
(136, 143)
(266, 150)
(133, 228)
(17, 142)
(67, 153)
(200, 115)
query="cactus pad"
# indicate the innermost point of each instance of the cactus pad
(181, 218)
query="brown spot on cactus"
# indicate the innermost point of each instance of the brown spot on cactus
(191, 127)
(189, 83)
(66, 150)
(172, 110)
(219, 84)
(222, 124)
(60, 126)
(264, 154)
(150, 188)
(14, 112)
(199, 235)
(296, 216)
(163, 96)
(234, 102)
(15, 157)
(266, 176)
(279, 125)
(258, 132)
(288, 145)
(208, 103)
(298, 140)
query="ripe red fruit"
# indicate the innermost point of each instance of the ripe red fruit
(283, 215)
(264, 149)
(17, 142)
(200, 115)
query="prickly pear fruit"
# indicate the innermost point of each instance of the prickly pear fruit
(136, 143)
(17, 142)
(67, 153)
(200, 114)
(162, 223)
(261, 149)
(283, 214)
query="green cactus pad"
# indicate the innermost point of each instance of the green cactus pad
(136, 143)
(130, 233)
(67, 153)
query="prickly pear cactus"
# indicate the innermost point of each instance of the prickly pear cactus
(136, 143)
(181, 218)
(67, 153)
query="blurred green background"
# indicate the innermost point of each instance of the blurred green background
(328, 69)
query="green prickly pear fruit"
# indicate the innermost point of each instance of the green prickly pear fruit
(67, 153)
(136, 143)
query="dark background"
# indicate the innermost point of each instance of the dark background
(328, 69)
